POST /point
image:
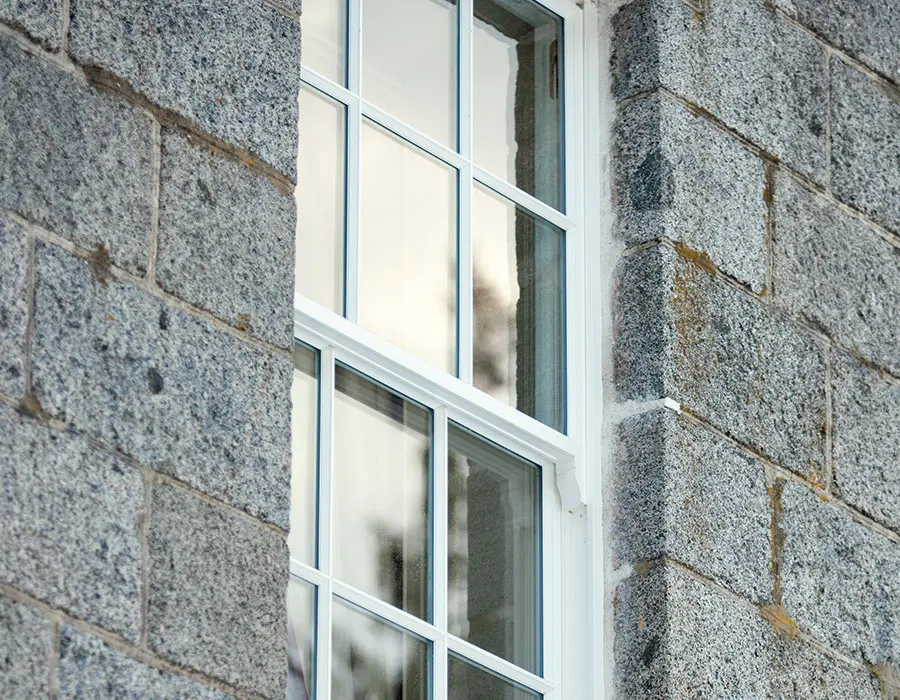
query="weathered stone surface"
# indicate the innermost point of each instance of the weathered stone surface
(233, 68)
(71, 516)
(840, 580)
(722, 354)
(679, 177)
(675, 638)
(761, 76)
(88, 668)
(865, 144)
(226, 239)
(74, 160)
(41, 19)
(24, 652)
(217, 592)
(163, 386)
(681, 492)
(13, 306)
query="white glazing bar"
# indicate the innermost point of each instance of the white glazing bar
(307, 573)
(383, 610)
(354, 156)
(497, 665)
(354, 46)
(530, 203)
(439, 588)
(341, 94)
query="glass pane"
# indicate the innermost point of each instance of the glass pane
(469, 682)
(304, 454)
(410, 63)
(319, 266)
(301, 602)
(382, 484)
(407, 285)
(325, 37)
(494, 549)
(519, 307)
(373, 660)
(518, 97)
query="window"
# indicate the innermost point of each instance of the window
(436, 539)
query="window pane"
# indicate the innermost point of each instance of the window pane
(382, 483)
(325, 37)
(494, 549)
(301, 602)
(469, 682)
(304, 454)
(518, 108)
(519, 312)
(319, 266)
(407, 286)
(409, 63)
(373, 660)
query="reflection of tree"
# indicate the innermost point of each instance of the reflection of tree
(494, 336)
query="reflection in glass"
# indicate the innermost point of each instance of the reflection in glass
(407, 279)
(519, 312)
(409, 51)
(301, 602)
(469, 682)
(518, 113)
(319, 263)
(325, 37)
(304, 454)
(494, 549)
(382, 483)
(373, 660)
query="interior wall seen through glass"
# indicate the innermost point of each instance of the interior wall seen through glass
(301, 604)
(304, 454)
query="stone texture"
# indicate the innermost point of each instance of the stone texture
(226, 239)
(74, 160)
(840, 580)
(71, 515)
(866, 440)
(24, 652)
(233, 67)
(679, 177)
(681, 492)
(761, 76)
(677, 639)
(216, 598)
(88, 668)
(722, 354)
(865, 144)
(41, 19)
(13, 306)
(163, 386)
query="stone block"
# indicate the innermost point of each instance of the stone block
(763, 77)
(233, 68)
(88, 668)
(163, 386)
(13, 306)
(226, 239)
(216, 599)
(722, 354)
(679, 177)
(25, 646)
(681, 492)
(865, 144)
(75, 161)
(41, 19)
(71, 515)
(839, 579)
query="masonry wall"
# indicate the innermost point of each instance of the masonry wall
(147, 162)
(756, 532)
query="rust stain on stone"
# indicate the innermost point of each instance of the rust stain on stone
(776, 533)
(777, 616)
(243, 322)
(99, 264)
(698, 258)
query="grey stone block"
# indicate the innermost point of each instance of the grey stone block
(88, 668)
(71, 515)
(226, 239)
(233, 67)
(679, 177)
(736, 59)
(41, 19)
(677, 639)
(840, 580)
(865, 144)
(163, 386)
(25, 646)
(681, 492)
(722, 354)
(74, 160)
(866, 440)
(13, 306)
(837, 274)
(217, 590)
